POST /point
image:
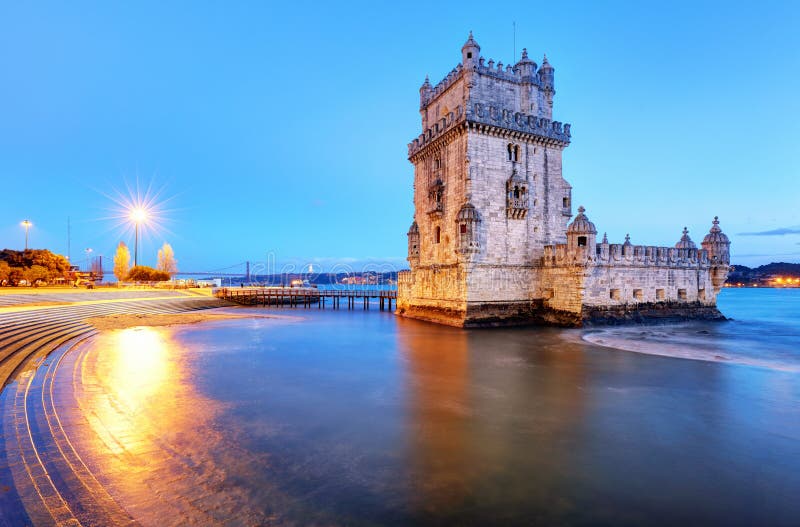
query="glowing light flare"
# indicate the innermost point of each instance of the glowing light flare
(138, 215)
(138, 212)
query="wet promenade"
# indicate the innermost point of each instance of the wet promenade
(43, 479)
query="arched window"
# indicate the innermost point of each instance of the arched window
(510, 152)
(437, 234)
(516, 152)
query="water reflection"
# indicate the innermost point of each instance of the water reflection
(138, 374)
(439, 417)
(150, 437)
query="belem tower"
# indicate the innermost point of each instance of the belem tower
(492, 243)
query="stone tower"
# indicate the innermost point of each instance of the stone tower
(488, 190)
(491, 243)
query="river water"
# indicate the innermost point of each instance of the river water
(362, 418)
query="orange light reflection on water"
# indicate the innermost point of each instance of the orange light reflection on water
(140, 373)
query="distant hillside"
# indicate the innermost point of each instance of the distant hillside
(744, 274)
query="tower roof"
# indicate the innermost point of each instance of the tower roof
(426, 85)
(470, 43)
(715, 235)
(581, 224)
(685, 242)
(545, 65)
(525, 59)
(468, 212)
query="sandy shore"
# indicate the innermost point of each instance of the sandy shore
(123, 321)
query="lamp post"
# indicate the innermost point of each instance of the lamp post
(138, 215)
(88, 251)
(27, 225)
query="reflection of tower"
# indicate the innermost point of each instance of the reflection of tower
(438, 416)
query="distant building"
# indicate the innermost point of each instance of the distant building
(491, 242)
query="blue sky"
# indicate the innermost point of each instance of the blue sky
(281, 129)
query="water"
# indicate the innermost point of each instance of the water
(764, 331)
(361, 418)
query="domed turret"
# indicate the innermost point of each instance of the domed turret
(581, 236)
(685, 242)
(525, 66)
(413, 244)
(425, 91)
(470, 51)
(467, 221)
(581, 224)
(547, 74)
(717, 244)
(719, 254)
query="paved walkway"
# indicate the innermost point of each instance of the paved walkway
(43, 480)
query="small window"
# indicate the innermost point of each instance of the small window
(469, 54)
(613, 294)
(463, 228)
(513, 152)
(681, 294)
(637, 294)
(581, 241)
(437, 235)
(660, 294)
(565, 202)
(701, 294)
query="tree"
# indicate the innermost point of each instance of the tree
(5, 272)
(166, 260)
(36, 273)
(142, 273)
(19, 264)
(122, 262)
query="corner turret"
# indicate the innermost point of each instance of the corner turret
(425, 92)
(581, 236)
(719, 253)
(413, 244)
(547, 75)
(470, 52)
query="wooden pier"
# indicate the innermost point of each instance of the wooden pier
(306, 297)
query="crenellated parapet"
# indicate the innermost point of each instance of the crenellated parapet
(501, 118)
(617, 254)
(491, 119)
(434, 92)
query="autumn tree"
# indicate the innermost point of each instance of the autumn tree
(5, 272)
(142, 273)
(122, 262)
(36, 273)
(166, 260)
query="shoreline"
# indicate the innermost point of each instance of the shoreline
(125, 321)
(648, 346)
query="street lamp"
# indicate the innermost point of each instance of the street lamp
(138, 215)
(88, 251)
(27, 225)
